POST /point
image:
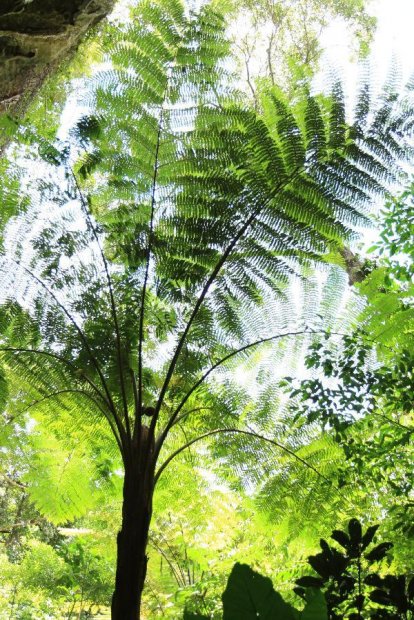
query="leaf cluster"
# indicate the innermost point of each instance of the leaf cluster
(345, 575)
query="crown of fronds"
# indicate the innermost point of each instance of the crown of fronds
(195, 209)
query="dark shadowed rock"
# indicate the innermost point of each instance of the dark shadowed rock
(35, 37)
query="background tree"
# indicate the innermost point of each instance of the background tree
(280, 42)
(362, 392)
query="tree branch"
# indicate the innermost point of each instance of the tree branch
(242, 432)
(78, 329)
(112, 300)
(147, 265)
(72, 366)
(173, 417)
(187, 413)
(207, 286)
(395, 422)
(72, 391)
(180, 582)
(14, 483)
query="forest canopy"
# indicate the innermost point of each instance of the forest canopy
(205, 373)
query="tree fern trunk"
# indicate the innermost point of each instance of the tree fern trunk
(132, 538)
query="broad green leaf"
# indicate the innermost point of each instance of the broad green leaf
(315, 608)
(249, 596)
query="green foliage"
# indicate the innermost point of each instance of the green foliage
(396, 243)
(59, 479)
(347, 578)
(395, 591)
(282, 41)
(352, 582)
(13, 199)
(8, 127)
(388, 316)
(54, 581)
(249, 595)
(141, 268)
(358, 389)
(153, 168)
(89, 574)
(367, 407)
(41, 568)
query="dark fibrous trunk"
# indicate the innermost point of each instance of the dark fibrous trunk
(132, 538)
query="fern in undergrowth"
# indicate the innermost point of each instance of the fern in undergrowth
(184, 212)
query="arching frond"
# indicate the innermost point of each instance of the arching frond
(184, 216)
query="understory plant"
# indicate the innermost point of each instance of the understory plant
(352, 583)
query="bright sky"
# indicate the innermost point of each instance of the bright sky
(394, 36)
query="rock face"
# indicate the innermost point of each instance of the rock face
(35, 36)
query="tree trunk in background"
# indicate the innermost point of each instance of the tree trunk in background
(132, 539)
(35, 36)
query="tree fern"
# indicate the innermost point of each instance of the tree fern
(194, 212)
